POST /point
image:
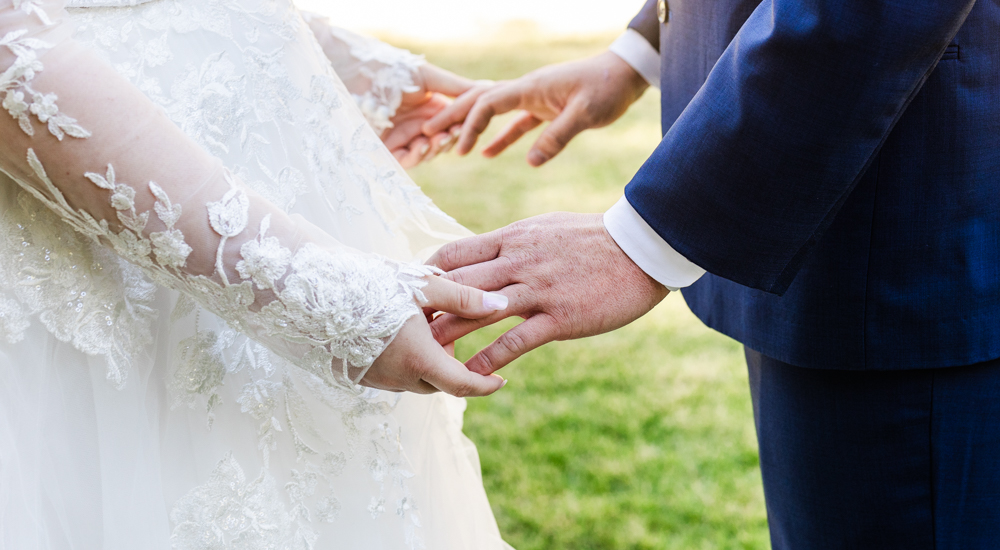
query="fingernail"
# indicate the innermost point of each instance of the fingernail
(424, 149)
(536, 158)
(456, 131)
(504, 383)
(494, 302)
(446, 142)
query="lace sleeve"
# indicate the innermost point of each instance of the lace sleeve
(376, 73)
(95, 150)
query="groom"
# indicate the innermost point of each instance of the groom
(827, 191)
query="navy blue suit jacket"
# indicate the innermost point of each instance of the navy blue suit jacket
(835, 166)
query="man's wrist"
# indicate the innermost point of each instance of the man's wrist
(633, 49)
(647, 249)
(623, 74)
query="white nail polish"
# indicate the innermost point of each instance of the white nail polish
(424, 149)
(494, 302)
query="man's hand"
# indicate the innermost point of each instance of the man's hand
(406, 138)
(415, 362)
(575, 96)
(562, 272)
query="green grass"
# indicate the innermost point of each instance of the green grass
(638, 439)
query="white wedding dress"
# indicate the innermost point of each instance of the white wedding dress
(190, 205)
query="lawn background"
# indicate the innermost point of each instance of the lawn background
(640, 439)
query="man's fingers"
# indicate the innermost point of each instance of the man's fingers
(554, 139)
(449, 328)
(536, 331)
(468, 251)
(442, 143)
(456, 112)
(496, 101)
(464, 301)
(492, 275)
(450, 376)
(522, 124)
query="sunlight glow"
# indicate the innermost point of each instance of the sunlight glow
(441, 20)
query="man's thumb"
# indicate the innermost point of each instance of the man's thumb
(554, 139)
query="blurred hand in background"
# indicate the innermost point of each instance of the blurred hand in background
(574, 96)
(435, 89)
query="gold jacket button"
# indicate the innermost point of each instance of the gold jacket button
(662, 12)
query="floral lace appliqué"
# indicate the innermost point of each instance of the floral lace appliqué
(390, 76)
(19, 98)
(231, 512)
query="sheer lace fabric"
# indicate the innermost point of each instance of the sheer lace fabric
(376, 74)
(312, 299)
(244, 426)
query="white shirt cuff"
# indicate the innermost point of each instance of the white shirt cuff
(647, 249)
(635, 50)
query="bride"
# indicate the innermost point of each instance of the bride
(191, 204)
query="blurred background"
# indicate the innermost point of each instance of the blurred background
(438, 20)
(640, 439)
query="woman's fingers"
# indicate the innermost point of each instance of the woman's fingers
(455, 113)
(444, 82)
(463, 301)
(415, 152)
(449, 328)
(451, 376)
(414, 362)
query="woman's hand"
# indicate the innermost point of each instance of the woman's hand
(415, 362)
(406, 140)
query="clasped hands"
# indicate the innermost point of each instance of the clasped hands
(562, 273)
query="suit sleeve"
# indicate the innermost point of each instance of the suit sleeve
(647, 24)
(755, 169)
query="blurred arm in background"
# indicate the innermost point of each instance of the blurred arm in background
(396, 90)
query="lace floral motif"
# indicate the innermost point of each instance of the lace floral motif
(390, 73)
(20, 99)
(32, 7)
(81, 292)
(341, 306)
(286, 133)
(231, 512)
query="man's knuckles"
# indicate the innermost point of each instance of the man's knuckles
(512, 344)
(448, 257)
(483, 363)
